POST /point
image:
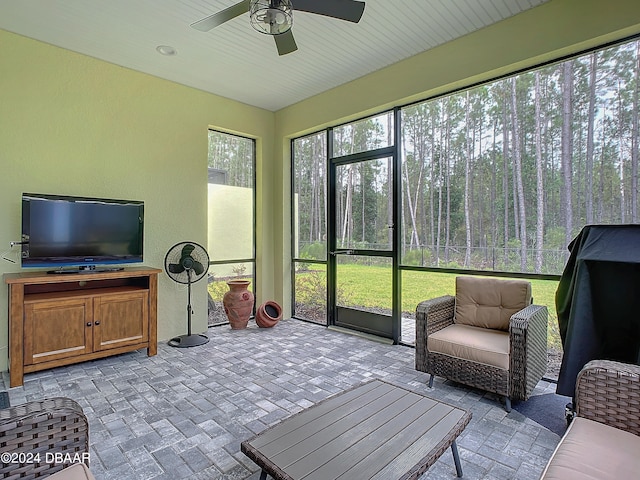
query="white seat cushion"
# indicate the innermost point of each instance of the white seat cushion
(477, 344)
(592, 451)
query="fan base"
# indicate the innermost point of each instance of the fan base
(184, 341)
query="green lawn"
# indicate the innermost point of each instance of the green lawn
(370, 286)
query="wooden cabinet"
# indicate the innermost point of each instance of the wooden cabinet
(61, 319)
(120, 320)
(65, 317)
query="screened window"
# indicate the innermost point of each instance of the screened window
(503, 176)
(309, 227)
(231, 216)
(310, 197)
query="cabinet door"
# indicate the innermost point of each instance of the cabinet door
(56, 329)
(120, 319)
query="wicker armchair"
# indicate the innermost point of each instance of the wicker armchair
(43, 437)
(603, 440)
(608, 392)
(489, 336)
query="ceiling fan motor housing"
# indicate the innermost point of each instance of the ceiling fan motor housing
(271, 17)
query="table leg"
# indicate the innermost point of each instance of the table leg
(456, 459)
(263, 475)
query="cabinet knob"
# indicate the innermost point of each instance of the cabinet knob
(97, 322)
(88, 324)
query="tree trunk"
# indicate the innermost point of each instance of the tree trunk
(347, 222)
(517, 166)
(447, 174)
(390, 141)
(539, 180)
(588, 194)
(493, 191)
(623, 216)
(410, 204)
(440, 185)
(467, 175)
(505, 175)
(634, 139)
(604, 144)
(567, 148)
(432, 182)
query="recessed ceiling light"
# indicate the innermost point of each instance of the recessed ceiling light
(166, 50)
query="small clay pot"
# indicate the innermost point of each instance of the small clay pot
(268, 314)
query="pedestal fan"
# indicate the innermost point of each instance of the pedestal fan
(187, 262)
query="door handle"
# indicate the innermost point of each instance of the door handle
(342, 252)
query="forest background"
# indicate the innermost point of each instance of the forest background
(501, 176)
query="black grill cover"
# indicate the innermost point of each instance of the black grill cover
(598, 300)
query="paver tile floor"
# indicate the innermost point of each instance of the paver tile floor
(184, 412)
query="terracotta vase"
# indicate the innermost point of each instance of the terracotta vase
(238, 303)
(268, 314)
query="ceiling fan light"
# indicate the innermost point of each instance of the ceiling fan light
(272, 17)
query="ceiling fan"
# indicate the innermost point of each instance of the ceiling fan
(275, 17)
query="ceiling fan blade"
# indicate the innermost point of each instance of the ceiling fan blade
(350, 10)
(219, 18)
(285, 43)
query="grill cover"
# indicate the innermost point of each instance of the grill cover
(598, 300)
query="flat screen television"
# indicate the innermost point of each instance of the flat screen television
(82, 232)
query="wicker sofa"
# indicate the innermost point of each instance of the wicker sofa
(488, 336)
(603, 440)
(46, 438)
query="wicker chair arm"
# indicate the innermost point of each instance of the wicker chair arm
(431, 316)
(528, 349)
(51, 426)
(435, 314)
(609, 392)
(529, 318)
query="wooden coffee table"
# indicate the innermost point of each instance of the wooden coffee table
(373, 431)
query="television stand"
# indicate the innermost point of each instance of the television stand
(80, 316)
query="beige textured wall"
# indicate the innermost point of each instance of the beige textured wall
(74, 125)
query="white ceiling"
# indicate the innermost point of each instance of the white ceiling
(235, 61)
